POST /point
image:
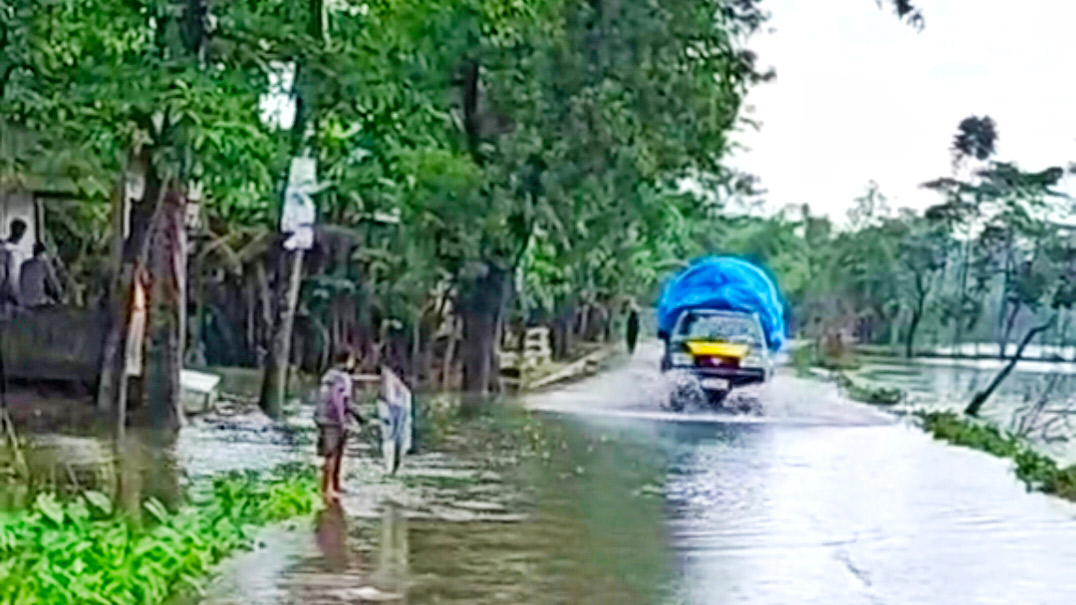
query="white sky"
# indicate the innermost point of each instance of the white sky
(861, 96)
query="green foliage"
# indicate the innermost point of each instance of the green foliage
(86, 552)
(951, 427)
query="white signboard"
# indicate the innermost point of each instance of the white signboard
(297, 219)
(394, 410)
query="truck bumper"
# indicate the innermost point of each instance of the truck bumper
(723, 379)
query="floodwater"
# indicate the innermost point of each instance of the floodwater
(949, 384)
(815, 500)
(597, 495)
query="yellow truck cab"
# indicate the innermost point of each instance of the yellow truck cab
(712, 352)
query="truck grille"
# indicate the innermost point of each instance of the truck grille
(717, 361)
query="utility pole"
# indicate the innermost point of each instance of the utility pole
(275, 379)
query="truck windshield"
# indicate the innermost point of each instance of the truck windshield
(740, 329)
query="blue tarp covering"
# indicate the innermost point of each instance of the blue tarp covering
(729, 284)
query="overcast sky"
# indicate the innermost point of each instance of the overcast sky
(860, 96)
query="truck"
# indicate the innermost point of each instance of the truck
(721, 321)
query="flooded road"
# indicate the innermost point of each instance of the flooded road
(816, 500)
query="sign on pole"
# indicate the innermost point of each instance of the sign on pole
(394, 410)
(297, 219)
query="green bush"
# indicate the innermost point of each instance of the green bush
(950, 427)
(86, 551)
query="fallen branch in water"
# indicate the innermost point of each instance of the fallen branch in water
(981, 397)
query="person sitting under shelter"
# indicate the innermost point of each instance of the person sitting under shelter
(10, 264)
(37, 282)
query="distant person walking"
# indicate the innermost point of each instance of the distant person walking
(11, 258)
(37, 283)
(333, 407)
(633, 328)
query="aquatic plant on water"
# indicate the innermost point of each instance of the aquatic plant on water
(86, 551)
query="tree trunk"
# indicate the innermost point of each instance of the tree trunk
(1009, 324)
(265, 307)
(909, 340)
(416, 349)
(958, 338)
(495, 385)
(981, 397)
(1003, 335)
(275, 381)
(563, 327)
(450, 354)
(481, 310)
(132, 235)
(479, 330)
(196, 343)
(583, 324)
(166, 316)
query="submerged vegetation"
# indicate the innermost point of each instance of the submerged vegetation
(873, 394)
(88, 551)
(1038, 471)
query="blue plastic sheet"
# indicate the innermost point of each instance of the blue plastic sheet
(729, 284)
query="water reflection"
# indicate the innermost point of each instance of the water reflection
(592, 532)
(330, 528)
(392, 563)
(140, 466)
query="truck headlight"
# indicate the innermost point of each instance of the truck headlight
(681, 359)
(754, 361)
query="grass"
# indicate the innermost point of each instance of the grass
(87, 551)
(1037, 471)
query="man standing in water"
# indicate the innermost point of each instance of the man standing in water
(633, 327)
(333, 407)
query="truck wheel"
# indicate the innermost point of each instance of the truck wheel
(717, 398)
(685, 393)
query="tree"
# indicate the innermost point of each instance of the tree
(976, 138)
(117, 88)
(561, 126)
(1046, 285)
(921, 257)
